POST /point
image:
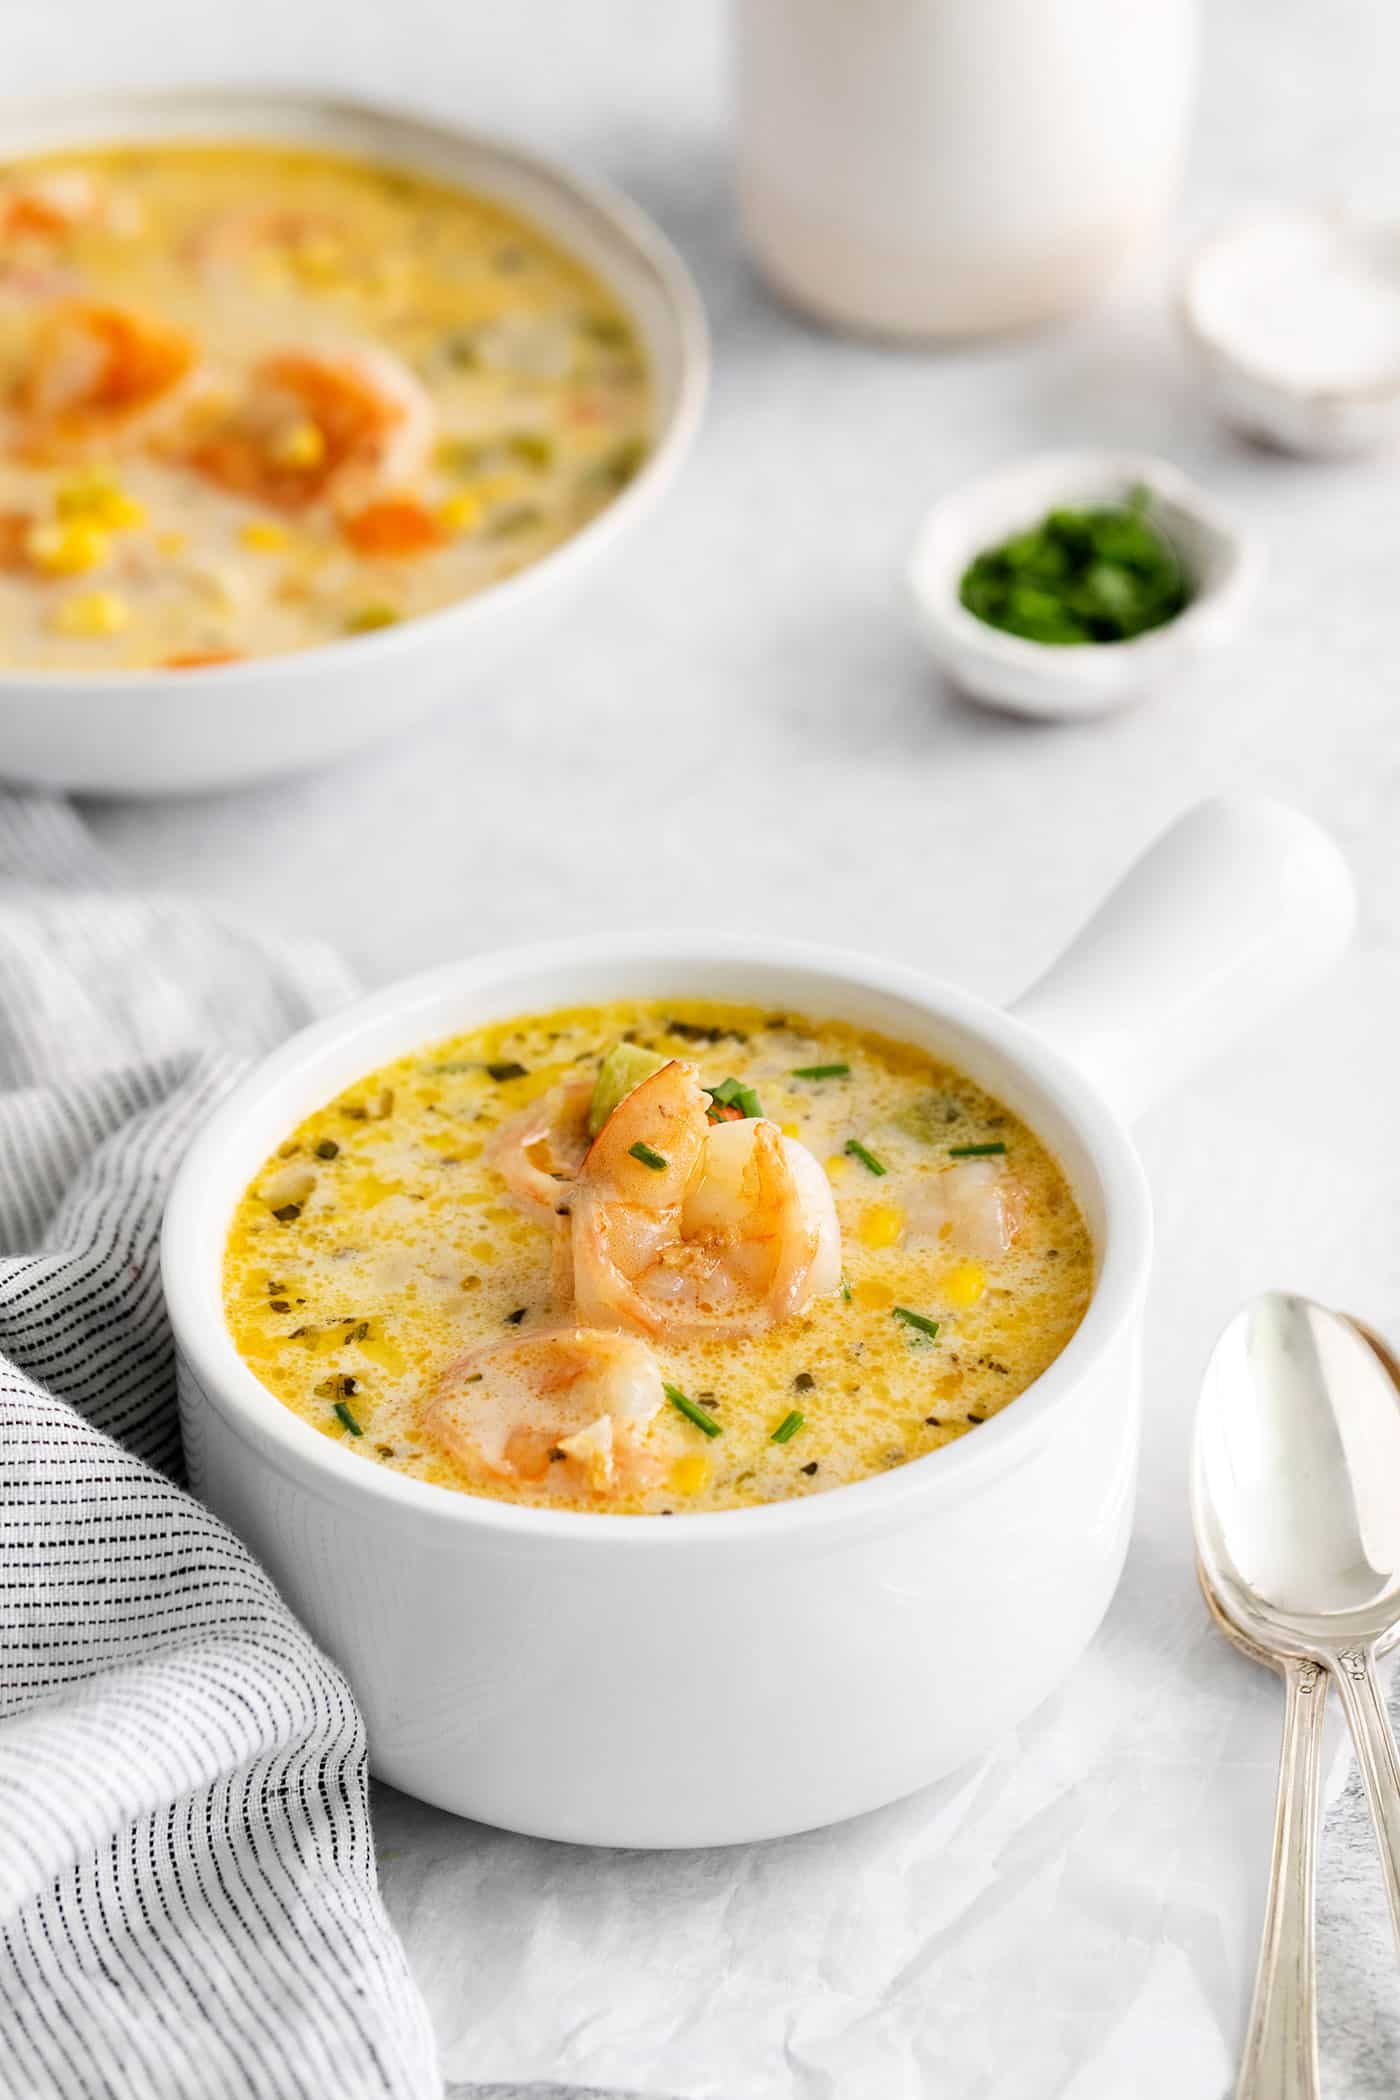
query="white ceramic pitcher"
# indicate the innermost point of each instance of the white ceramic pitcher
(928, 168)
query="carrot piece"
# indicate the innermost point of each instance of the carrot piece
(15, 528)
(196, 659)
(395, 526)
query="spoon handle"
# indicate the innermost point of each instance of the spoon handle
(1280, 2053)
(1355, 1672)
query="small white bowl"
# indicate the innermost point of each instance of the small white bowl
(1293, 319)
(167, 732)
(1092, 678)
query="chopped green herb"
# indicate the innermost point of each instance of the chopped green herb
(787, 1428)
(1101, 575)
(732, 1093)
(648, 1158)
(532, 448)
(622, 464)
(804, 1382)
(327, 1149)
(287, 1213)
(866, 1158)
(845, 1291)
(348, 1419)
(513, 1319)
(913, 1319)
(279, 1305)
(371, 617)
(606, 330)
(811, 1469)
(341, 1387)
(927, 1119)
(820, 1071)
(975, 1151)
(692, 1411)
(507, 1070)
(515, 518)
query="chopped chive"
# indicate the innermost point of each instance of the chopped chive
(913, 1319)
(866, 1158)
(975, 1151)
(819, 1071)
(787, 1428)
(348, 1419)
(845, 1291)
(732, 1093)
(648, 1158)
(692, 1410)
(327, 1149)
(507, 1070)
(287, 1213)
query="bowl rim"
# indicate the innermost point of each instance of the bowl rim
(281, 1439)
(953, 633)
(619, 218)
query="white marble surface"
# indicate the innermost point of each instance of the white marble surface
(736, 726)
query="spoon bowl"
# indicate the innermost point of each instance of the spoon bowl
(1296, 1491)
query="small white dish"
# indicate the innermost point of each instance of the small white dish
(1293, 318)
(166, 733)
(1092, 678)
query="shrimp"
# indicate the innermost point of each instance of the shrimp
(567, 1408)
(538, 1152)
(684, 1228)
(976, 1205)
(96, 373)
(49, 206)
(314, 426)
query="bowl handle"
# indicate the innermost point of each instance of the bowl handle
(1226, 917)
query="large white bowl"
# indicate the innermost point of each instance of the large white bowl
(714, 1678)
(159, 733)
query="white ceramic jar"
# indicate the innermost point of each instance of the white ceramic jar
(928, 168)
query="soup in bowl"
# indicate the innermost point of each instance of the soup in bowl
(294, 397)
(657, 1258)
(560, 1655)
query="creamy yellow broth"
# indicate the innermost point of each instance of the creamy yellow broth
(377, 1245)
(168, 494)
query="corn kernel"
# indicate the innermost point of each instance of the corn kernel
(68, 549)
(688, 1475)
(836, 1166)
(264, 536)
(872, 1295)
(93, 613)
(299, 445)
(881, 1225)
(790, 1129)
(100, 499)
(462, 512)
(321, 260)
(370, 617)
(965, 1283)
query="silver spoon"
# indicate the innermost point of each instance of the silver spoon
(1296, 1503)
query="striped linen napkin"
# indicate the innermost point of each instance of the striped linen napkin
(188, 1900)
